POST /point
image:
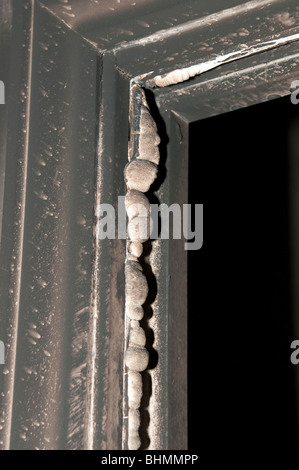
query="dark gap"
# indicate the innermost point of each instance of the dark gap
(241, 381)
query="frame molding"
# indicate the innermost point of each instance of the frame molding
(62, 294)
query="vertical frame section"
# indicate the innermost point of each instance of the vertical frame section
(46, 254)
(5, 39)
(11, 255)
(293, 178)
(178, 308)
(105, 380)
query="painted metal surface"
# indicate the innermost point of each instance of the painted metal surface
(5, 37)
(61, 289)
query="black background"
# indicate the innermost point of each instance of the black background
(242, 399)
